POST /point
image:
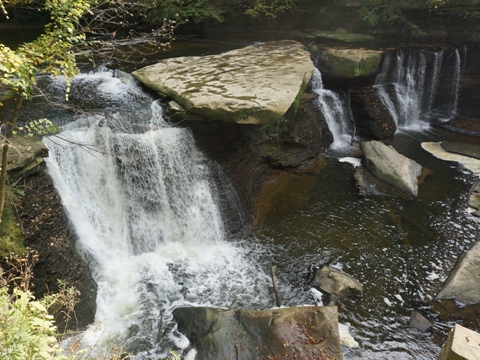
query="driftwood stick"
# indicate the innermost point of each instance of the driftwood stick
(275, 287)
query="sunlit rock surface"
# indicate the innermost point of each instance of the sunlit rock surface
(461, 344)
(253, 85)
(307, 332)
(388, 165)
(463, 284)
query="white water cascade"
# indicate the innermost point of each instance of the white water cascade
(143, 207)
(408, 83)
(334, 111)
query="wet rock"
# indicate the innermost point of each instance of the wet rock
(336, 284)
(469, 126)
(253, 85)
(461, 344)
(371, 116)
(437, 150)
(463, 283)
(249, 155)
(348, 63)
(420, 322)
(474, 200)
(470, 150)
(307, 332)
(48, 231)
(388, 165)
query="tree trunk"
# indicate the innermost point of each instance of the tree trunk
(6, 145)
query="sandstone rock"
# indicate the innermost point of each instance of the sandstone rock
(474, 200)
(336, 284)
(463, 283)
(253, 85)
(348, 63)
(437, 150)
(461, 344)
(308, 332)
(388, 165)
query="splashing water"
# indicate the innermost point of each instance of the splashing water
(408, 85)
(334, 111)
(143, 207)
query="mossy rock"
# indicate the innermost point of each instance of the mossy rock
(340, 35)
(349, 63)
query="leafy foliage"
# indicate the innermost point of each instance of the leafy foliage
(388, 15)
(270, 8)
(181, 11)
(27, 330)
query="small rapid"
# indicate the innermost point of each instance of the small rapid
(141, 199)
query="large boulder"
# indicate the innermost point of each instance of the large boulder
(463, 283)
(307, 332)
(388, 165)
(253, 85)
(348, 63)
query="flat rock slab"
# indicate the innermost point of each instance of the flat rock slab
(308, 332)
(253, 85)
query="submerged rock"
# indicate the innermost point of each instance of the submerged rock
(308, 332)
(336, 284)
(420, 322)
(253, 85)
(388, 165)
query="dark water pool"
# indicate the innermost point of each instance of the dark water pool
(400, 250)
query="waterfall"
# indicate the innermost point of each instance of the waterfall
(456, 84)
(141, 200)
(408, 84)
(334, 112)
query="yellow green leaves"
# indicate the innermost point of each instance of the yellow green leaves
(51, 53)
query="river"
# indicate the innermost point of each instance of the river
(143, 204)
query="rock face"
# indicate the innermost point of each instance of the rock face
(336, 284)
(24, 155)
(48, 231)
(348, 63)
(372, 117)
(461, 344)
(307, 332)
(253, 85)
(388, 165)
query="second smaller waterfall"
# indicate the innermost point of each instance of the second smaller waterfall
(335, 113)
